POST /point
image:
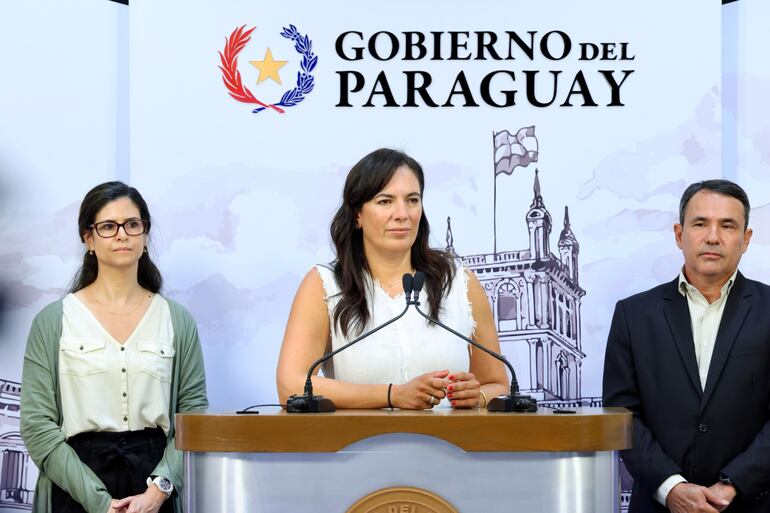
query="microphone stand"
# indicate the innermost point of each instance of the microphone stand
(506, 402)
(309, 403)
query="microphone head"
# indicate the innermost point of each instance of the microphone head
(407, 280)
(417, 283)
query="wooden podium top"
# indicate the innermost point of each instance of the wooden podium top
(274, 430)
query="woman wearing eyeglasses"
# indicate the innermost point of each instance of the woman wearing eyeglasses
(105, 370)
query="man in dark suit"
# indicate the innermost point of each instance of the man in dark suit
(691, 360)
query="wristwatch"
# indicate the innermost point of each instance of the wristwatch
(163, 484)
(725, 480)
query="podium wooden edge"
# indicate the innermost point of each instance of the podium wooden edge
(588, 430)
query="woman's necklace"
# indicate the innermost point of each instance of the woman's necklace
(393, 285)
(134, 309)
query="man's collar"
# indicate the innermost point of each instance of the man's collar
(685, 286)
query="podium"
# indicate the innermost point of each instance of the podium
(382, 461)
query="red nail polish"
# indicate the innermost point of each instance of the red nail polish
(449, 387)
(453, 403)
(449, 394)
(451, 376)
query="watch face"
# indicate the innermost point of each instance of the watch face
(164, 485)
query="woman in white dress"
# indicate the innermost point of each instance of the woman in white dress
(380, 232)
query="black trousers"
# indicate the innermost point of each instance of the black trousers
(123, 461)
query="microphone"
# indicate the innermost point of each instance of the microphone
(509, 402)
(407, 281)
(309, 403)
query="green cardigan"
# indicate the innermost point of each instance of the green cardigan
(41, 417)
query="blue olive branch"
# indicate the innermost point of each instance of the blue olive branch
(305, 80)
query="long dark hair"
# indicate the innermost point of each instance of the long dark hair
(148, 274)
(368, 177)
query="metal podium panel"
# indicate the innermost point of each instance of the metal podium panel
(473, 482)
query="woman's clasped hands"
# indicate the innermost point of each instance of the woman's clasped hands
(427, 390)
(148, 502)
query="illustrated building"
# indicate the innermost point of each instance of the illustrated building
(535, 297)
(17, 472)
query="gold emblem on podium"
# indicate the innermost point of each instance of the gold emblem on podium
(402, 499)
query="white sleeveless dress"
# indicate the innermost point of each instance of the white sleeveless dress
(408, 347)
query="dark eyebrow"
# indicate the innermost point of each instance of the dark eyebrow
(721, 221)
(386, 195)
(114, 221)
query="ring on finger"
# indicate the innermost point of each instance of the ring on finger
(432, 399)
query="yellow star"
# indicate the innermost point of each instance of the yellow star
(268, 68)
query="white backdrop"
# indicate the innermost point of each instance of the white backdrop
(242, 201)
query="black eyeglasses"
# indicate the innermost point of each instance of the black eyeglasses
(107, 229)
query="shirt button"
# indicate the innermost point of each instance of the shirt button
(125, 394)
(123, 369)
(122, 348)
(81, 348)
(125, 419)
(703, 428)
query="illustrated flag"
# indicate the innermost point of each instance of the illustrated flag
(512, 151)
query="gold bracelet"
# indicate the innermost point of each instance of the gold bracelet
(485, 398)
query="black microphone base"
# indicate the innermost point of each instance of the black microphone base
(517, 403)
(309, 404)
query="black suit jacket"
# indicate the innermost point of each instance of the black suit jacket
(650, 368)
